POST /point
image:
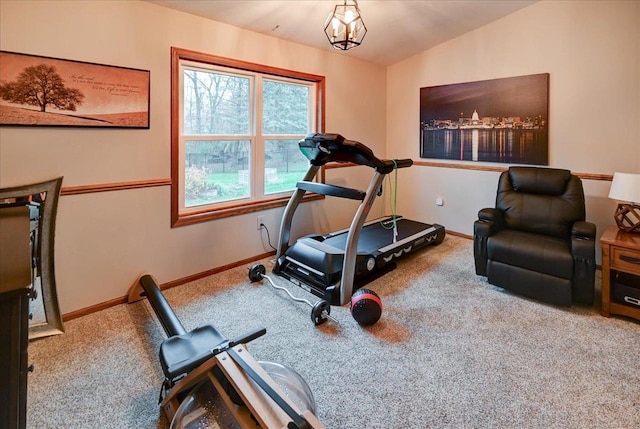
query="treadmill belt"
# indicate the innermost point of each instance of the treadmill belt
(375, 236)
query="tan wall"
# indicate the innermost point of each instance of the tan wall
(105, 240)
(591, 49)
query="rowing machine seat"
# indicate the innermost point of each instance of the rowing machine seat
(182, 353)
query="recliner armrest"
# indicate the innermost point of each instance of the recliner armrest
(583, 230)
(490, 215)
(583, 249)
(490, 221)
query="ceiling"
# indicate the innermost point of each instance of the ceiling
(396, 29)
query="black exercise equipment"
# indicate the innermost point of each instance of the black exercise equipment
(320, 311)
(190, 358)
(331, 266)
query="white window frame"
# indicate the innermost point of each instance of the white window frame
(183, 60)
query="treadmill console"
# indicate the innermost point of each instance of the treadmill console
(321, 148)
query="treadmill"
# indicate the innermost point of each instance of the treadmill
(331, 266)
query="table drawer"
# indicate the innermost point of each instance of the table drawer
(625, 260)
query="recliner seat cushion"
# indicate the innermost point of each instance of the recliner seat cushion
(544, 254)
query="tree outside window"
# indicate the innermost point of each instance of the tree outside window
(236, 135)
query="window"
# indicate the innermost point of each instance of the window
(235, 132)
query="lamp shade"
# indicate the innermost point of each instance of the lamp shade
(625, 187)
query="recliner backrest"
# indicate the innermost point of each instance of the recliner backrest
(541, 200)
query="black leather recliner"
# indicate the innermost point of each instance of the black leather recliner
(535, 242)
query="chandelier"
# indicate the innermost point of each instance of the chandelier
(344, 27)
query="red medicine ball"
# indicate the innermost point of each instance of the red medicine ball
(366, 306)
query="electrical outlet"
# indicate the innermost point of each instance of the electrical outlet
(439, 201)
(259, 222)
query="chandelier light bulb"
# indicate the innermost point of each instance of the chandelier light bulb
(348, 17)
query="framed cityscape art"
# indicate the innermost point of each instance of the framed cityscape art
(43, 91)
(499, 120)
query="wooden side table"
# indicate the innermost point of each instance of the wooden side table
(620, 252)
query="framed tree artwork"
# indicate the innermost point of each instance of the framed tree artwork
(499, 120)
(43, 91)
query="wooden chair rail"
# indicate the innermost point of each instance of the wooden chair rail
(137, 184)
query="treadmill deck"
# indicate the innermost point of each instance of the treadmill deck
(315, 262)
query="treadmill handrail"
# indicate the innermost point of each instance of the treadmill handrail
(289, 211)
(403, 163)
(351, 245)
(331, 190)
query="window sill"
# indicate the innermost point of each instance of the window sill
(191, 218)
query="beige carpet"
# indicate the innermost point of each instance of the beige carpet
(451, 351)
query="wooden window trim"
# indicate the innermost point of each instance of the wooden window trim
(178, 55)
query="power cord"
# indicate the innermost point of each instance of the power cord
(263, 226)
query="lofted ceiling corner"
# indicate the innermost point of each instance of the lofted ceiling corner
(396, 29)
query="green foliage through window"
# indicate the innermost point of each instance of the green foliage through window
(236, 131)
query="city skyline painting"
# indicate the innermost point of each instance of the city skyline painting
(498, 120)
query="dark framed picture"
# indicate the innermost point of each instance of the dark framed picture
(43, 91)
(499, 120)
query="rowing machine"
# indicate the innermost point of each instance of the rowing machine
(203, 355)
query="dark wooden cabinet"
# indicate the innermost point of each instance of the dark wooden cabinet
(15, 293)
(14, 342)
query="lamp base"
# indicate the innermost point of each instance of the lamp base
(627, 217)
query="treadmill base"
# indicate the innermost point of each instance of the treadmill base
(315, 263)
